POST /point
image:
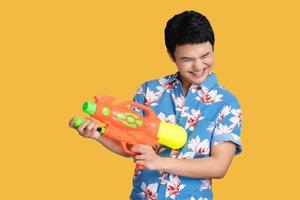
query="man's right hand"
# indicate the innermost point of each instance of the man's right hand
(87, 129)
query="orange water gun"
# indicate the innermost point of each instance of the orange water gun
(126, 126)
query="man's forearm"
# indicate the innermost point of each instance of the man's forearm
(112, 146)
(195, 168)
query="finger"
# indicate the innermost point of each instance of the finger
(92, 130)
(88, 129)
(83, 125)
(140, 162)
(141, 145)
(140, 157)
(71, 122)
(95, 127)
(137, 147)
(95, 133)
(140, 148)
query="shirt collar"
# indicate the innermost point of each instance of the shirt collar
(209, 83)
(173, 77)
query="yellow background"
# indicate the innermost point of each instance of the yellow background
(54, 55)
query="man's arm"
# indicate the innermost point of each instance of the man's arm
(112, 146)
(88, 129)
(215, 166)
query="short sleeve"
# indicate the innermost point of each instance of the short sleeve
(139, 97)
(228, 125)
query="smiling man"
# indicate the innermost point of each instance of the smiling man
(193, 99)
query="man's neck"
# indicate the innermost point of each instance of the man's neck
(185, 84)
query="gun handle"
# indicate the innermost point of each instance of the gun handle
(124, 147)
(149, 112)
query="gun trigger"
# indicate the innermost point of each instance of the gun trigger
(124, 147)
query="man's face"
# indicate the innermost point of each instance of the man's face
(194, 62)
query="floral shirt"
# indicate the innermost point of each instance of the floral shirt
(209, 113)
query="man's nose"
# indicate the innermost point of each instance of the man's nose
(197, 65)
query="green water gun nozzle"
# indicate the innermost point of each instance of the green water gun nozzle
(78, 121)
(89, 107)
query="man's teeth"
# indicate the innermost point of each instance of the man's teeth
(199, 72)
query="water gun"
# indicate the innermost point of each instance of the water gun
(123, 124)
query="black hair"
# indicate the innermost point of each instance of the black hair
(188, 27)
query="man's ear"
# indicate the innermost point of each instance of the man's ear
(171, 57)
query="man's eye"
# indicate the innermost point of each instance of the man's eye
(205, 56)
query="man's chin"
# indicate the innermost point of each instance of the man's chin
(194, 79)
(198, 80)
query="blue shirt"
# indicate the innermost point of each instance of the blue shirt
(209, 113)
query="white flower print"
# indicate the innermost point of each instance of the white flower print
(198, 146)
(165, 84)
(179, 102)
(163, 176)
(150, 191)
(206, 184)
(193, 119)
(194, 88)
(137, 172)
(208, 97)
(184, 112)
(192, 198)
(136, 109)
(161, 89)
(163, 81)
(186, 155)
(221, 129)
(237, 116)
(173, 187)
(224, 112)
(152, 98)
(170, 118)
(174, 153)
(211, 127)
(140, 90)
